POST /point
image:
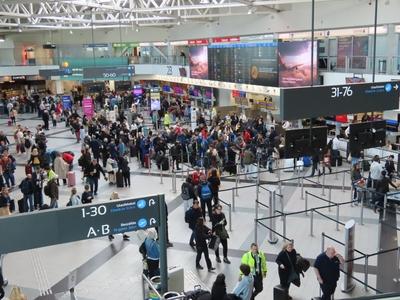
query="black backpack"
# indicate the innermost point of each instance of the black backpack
(185, 192)
(198, 294)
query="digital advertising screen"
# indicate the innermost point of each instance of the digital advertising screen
(198, 60)
(295, 63)
(248, 63)
(137, 91)
(155, 99)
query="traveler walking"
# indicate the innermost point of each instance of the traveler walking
(61, 168)
(152, 253)
(375, 171)
(202, 233)
(191, 217)
(205, 195)
(327, 270)
(26, 187)
(286, 261)
(51, 189)
(244, 288)
(218, 290)
(93, 175)
(214, 182)
(187, 193)
(255, 259)
(218, 225)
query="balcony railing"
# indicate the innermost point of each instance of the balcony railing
(360, 64)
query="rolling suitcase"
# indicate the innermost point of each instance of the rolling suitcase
(71, 178)
(147, 161)
(28, 169)
(280, 293)
(120, 179)
(21, 206)
(165, 164)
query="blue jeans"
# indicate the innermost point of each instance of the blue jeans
(94, 184)
(9, 178)
(191, 242)
(53, 203)
(28, 202)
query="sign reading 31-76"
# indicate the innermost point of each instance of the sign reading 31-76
(108, 72)
(57, 226)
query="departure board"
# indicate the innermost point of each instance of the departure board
(248, 63)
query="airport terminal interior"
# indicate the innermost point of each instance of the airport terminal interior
(199, 149)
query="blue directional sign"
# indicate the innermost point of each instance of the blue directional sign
(66, 101)
(64, 225)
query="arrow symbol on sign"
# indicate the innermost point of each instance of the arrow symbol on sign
(396, 87)
(152, 202)
(152, 221)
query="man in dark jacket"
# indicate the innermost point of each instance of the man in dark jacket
(191, 217)
(26, 187)
(382, 187)
(389, 166)
(176, 151)
(93, 175)
(327, 269)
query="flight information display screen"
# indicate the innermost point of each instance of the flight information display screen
(248, 63)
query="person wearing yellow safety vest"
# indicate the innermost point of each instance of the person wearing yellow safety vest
(255, 259)
(167, 120)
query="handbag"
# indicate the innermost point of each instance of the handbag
(293, 276)
(4, 211)
(214, 242)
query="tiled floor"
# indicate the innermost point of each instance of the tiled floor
(115, 267)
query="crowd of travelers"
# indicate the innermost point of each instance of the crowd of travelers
(108, 146)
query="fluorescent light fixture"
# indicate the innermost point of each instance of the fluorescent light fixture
(19, 29)
(2, 38)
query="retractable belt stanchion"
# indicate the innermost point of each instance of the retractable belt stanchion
(343, 181)
(302, 187)
(337, 217)
(336, 169)
(323, 184)
(364, 199)
(384, 206)
(311, 222)
(329, 198)
(272, 221)
(161, 175)
(306, 204)
(233, 200)
(366, 271)
(237, 180)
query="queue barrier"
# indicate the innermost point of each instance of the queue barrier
(155, 294)
(366, 259)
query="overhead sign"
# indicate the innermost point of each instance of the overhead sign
(20, 77)
(88, 107)
(198, 42)
(58, 226)
(108, 72)
(55, 72)
(310, 102)
(125, 45)
(228, 39)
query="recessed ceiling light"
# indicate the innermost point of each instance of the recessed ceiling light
(19, 29)
(2, 38)
(137, 29)
(71, 32)
(179, 23)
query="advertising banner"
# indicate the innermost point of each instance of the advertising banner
(344, 49)
(88, 107)
(66, 102)
(360, 52)
(155, 100)
(198, 59)
(295, 63)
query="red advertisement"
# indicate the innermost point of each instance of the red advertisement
(345, 49)
(88, 107)
(228, 39)
(198, 61)
(198, 42)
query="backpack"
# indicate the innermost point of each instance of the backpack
(197, 294)
(187, 215)
(185, 193)
(28, 143)
(46, 190)
(205, 192)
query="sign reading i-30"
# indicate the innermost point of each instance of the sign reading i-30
(57, 226)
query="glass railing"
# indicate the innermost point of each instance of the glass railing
(360, 64)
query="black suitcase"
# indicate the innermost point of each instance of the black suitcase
(280, 293)
(165, 164)
(12, 205)
(120, 179)
(21, 206)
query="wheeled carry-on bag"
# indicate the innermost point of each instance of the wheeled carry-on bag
(280, 293)
(71, 178)
(120, 179)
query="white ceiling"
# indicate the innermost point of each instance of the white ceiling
(29, 15)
